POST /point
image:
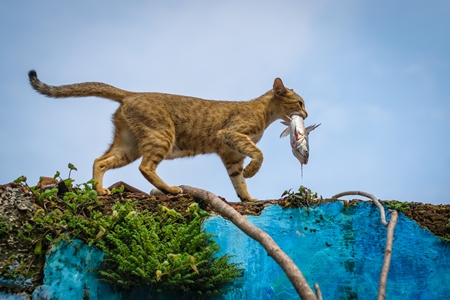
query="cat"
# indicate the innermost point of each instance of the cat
(157, 126)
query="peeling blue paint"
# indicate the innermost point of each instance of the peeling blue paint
(5, 296)
(70, 273)
(340, 248)
(19, 282)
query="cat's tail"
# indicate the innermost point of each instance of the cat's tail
(85, 89)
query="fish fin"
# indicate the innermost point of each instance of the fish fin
(311, 128)
(284, 133)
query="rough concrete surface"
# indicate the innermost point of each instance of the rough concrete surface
(337, 244)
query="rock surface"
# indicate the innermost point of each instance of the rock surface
(16, 208)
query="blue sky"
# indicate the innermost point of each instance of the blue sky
(374, 73)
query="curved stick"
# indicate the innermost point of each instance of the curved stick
(318, 292)
(284, 261)
(387, 255)
(389, 238)
(370, 196)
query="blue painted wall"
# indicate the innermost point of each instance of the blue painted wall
(341, 249)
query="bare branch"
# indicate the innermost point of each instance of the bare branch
(387, 255)
(285, 262)
(318, 292)
(370, 196)
(389, 238)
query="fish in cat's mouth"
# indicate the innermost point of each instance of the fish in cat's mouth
(298, 137)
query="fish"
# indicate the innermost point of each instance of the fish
(298, 137)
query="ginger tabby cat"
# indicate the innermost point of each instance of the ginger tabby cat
(158, 126)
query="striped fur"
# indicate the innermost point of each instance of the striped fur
(158, 126)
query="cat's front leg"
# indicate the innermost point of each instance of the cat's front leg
(243, 144)
(234, 162)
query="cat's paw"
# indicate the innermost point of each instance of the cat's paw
(249, 200)
(253, 167)
(103, 191)
(250, 170)
(174, 190)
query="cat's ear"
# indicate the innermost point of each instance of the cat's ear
(278, 87)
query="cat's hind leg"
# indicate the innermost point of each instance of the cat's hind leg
(154, 149)
(123, 150)
(234, 163)
(155, 132)
(148, 170)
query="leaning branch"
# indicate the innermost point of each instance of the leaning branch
(389, 238)
(285, 262)
(387, 256)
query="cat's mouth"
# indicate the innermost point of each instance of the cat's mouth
(302, 114)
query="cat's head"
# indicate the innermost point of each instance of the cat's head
(287, 100)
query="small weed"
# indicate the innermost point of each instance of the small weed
(397, 205)
(304, 197)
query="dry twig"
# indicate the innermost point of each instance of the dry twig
(318, 292)
(367, 195)
(387, 256)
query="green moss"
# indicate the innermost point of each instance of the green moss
(4, 226)
(447, 237)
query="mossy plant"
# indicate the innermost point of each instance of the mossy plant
(166, 250)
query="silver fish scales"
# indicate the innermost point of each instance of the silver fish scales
(298, 137)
